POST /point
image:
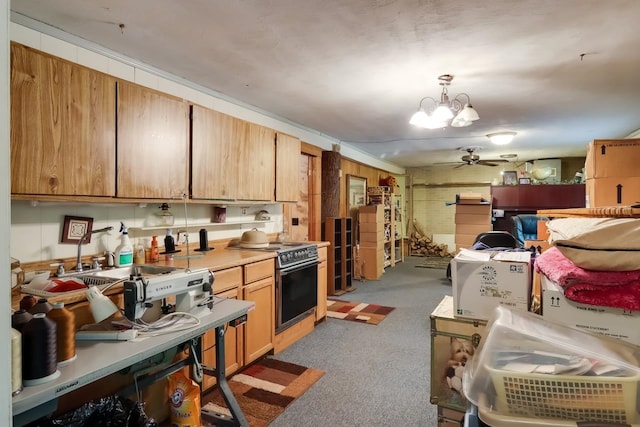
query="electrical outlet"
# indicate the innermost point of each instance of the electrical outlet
(182, 238)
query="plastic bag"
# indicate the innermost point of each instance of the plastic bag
(112, 411)
(184, 401)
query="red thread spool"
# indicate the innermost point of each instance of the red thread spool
(42, 306)
(19, 319)
(27, 302)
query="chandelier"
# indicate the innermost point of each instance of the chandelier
(440, 113)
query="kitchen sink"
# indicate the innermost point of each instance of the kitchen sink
(125, 272)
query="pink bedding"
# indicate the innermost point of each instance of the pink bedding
(603, 288)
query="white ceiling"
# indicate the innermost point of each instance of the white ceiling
(558, 72)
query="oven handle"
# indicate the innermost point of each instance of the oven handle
(286, 270)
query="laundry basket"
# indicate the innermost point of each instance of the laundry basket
(567, 397)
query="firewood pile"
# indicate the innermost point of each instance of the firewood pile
(422, 245)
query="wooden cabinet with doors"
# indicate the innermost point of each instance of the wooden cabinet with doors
(62, 127)
(287, 166)
(321, 308)
(227, 284)
(260, 327)
(231, 159)
(153, 143)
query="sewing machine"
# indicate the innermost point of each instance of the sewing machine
(191, 288)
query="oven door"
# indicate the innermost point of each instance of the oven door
(296, 294)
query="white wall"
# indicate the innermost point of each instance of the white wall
(5, 179)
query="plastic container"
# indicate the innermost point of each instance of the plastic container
(155, 251)
(164, 217)
(124, 252)
(500, 380)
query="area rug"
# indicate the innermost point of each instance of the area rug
(264, 390)
(357, 311)
(435, 262)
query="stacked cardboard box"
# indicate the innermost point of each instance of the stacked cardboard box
(473, 216)
(612, 172)
(371, 240)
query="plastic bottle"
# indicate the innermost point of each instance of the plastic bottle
(169, 242)
(124, 252)
(138, 254)
(155, 252)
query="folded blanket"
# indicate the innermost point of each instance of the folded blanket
(602, 288)
(605, 244)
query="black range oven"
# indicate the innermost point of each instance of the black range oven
(296, 277)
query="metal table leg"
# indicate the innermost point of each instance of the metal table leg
(237, 417)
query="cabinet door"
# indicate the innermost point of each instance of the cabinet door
(232, 347)
(62, 127)
(153, 143)
(215, 154)
(287, 166)
(257, 163)
(260, 327)
(321, 309)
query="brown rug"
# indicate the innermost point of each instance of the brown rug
(435, 262)
(264, 390)
(357, 311)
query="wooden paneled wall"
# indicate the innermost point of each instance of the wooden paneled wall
(350, 167)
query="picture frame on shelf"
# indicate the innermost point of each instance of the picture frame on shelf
(509, 178)
(524, 181)
(74, 227)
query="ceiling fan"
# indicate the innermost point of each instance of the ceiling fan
(471, 158)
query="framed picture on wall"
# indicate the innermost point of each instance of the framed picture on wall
(74, 228)
(509, 178)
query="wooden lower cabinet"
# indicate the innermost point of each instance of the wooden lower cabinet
(321, 308)
(259, 330)
(232, 346)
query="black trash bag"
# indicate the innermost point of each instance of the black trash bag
(111, 411)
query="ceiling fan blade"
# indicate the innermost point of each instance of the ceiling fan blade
(461, 165)
(486, 163)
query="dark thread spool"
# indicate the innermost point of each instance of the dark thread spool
(65, 333)
(39, 350)
(27, 302)
(20, 318)
(204, 240)
(42, 306)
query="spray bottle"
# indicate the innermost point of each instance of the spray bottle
(124, 252)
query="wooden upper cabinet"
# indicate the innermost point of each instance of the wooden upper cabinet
(153, 143)
(257, 164)
(287, 168)
(62, 127)
(232, 159)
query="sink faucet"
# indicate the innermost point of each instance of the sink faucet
(82, 239)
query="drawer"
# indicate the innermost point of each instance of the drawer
(453, 344)
(227, 279)
(258, 270)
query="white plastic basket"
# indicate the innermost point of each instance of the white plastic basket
(566, 397)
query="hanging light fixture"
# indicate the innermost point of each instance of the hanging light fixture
(440, 114)
(501, 138)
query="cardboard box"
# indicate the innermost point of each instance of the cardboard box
(612, 322)
(613, 191)
(462, 228)
(472, 198)
(484, 209)
(372, 260)
(543, 231)
(473, 219)
(371, 227)
(465, 239)
(484, 280)
(612, 158)
(371, 213)
(375, 238)
(543, 244)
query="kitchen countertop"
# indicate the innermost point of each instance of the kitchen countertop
(217, 259)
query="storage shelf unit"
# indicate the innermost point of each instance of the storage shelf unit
(384, 196)
(399, 227)
(339, 231)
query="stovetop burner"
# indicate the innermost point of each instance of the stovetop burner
(290, 254)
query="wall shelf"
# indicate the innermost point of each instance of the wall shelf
(198, 225)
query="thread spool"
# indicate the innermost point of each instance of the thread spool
(27, 302)
(204, 240)
(39, 351)
(16, 362)
(19, 318)
(42, 306)
(65, 333)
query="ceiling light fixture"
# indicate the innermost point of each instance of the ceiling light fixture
(440, 113)
(501, 138)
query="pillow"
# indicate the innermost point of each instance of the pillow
(602, 244)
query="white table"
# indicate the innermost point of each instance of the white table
(98, 359)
